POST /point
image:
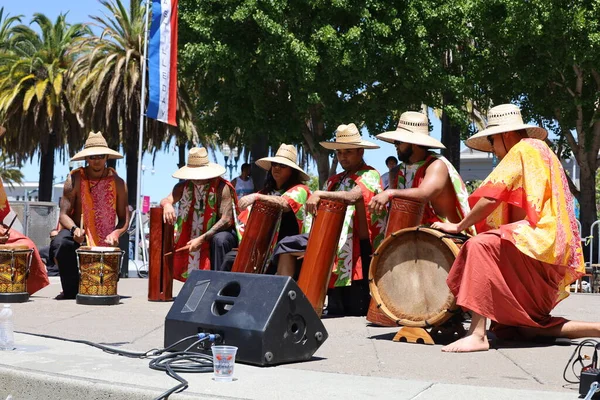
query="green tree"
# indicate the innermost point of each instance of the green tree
(34, 106)
(6, 28)
(107, 87)
(545, 55)
(10, 173)
(292, 72)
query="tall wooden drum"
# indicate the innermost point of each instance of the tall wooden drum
(99, 269)
(160, 268)
(258, 235)
(320, 252)
(404, 213)
(408, 277)
(15, 261)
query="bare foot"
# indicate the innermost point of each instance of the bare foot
(468, 344)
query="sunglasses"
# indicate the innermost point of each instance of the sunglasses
(277, 165)
(97, 157)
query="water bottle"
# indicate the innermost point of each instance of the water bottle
(7, 334)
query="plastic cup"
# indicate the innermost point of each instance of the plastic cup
(223, 362)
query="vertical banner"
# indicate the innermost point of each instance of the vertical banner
(146, 204)
(162, 62)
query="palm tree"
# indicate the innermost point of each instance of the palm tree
(10, 173)
(107, 86)
(34, 106)
(6, 25)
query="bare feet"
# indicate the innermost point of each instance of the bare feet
(468, 344)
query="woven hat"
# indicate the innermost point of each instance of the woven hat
(503, 118)
(2, 130)
(198, 167)
(287, 155)
(348, 137)
(95, 145)
(413, 128)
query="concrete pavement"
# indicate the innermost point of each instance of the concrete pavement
(357, 361)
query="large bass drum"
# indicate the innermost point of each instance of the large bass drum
(408, 276)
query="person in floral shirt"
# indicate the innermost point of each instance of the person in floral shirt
(423, 175)
(362, 230)
(204, 220)
(284, 186)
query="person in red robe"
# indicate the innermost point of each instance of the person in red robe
(528, 250)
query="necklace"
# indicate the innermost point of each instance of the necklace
(93, 184)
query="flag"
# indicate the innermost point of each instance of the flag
(162, 62)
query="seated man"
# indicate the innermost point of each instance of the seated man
(93, 208)
(423, 175)
(38, 276)
(362, 230)
(520, 267)
(204, 220)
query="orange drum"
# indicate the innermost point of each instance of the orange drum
(258, 235)
(15, 261)
(320, 252)
(408, 276)
(99, 269)
(404, 213)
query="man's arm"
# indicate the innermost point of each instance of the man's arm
(349, 197)
(226, 212)
(250, 199)
(67, 203)
(484, 207)
(167, 203)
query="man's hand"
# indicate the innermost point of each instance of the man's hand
(312, 204)
(79, 235)
(195, 244)
(169, 214)
(112, 239)
(380, 202)
(3, 230)
(446, 227)
(3, 239)
(247, 201)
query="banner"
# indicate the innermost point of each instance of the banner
(162, 62)
(145, 204)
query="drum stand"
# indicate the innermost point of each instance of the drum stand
(453, 328)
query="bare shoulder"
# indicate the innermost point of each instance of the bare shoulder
(438, 167)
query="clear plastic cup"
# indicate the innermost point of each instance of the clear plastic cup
(223, 362)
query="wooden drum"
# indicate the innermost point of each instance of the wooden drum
(320, 252)
(160, 268)
(408, 277)
(404, 213)
(98, 275)
(15, 261)
(258, 235)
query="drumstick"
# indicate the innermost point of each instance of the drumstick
(10, 226)
(82, 229)
(179, 250)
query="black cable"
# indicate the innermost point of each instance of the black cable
(579, 359)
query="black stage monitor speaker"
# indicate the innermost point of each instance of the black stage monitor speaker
(266, 316)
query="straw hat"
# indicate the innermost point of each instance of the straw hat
(503, 118)
(2, 130)
(413, 128)
(96, 145)
(348, 137)
(286, 154)
(198, 167)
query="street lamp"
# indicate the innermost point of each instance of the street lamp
(232, 156)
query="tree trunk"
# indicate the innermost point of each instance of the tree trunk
(313, 132)
(587, 194)
(450, 135)
(259, 149)
(181, 149)
(131, 163)
(47, 169)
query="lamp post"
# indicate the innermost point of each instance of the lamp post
(232, 156)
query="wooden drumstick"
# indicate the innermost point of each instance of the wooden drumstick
(83, 229)
(179, 250)
(7, 233)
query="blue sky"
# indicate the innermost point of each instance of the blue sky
(157, 179)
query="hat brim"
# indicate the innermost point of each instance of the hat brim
(265, 163)
(479, 140)
(405, 136)
(96, 151)
(2, 130)
(209, 171)
(363, 144)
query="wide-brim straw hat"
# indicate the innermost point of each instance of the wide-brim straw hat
(286, 155)
(2, 130)
(413, 128)
(96, 145)
(348, 137)
(198, 167)
(503, 118)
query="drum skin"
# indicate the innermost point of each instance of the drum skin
(99, 269)
(258, 234)
(408, 276)
(14, 268)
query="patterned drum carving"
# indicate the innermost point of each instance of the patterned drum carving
(99, 270)
(14, 268)
(404, 213)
